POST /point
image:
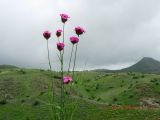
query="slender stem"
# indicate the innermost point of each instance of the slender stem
(70, 59)
(63, 36)
(50, 67)
(63, 32)
(75, 57)
(62, 88)
(52, 87)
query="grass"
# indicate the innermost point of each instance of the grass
(97, 94)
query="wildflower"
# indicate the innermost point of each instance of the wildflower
(67, 79)
(60, 46)
(79, 30)
(74, 40)
(47, 35)
(64, 17)
(58, 32)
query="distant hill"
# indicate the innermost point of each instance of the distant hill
(145, 65)
(7, 67)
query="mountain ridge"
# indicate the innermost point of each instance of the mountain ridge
(145, 65)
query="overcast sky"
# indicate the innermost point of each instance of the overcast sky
(119, 32)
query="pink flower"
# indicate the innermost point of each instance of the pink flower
(58, 32)
(47, 34)
(79, 30)
(60, 46)
(64, 17)
(74, 40)
(67, 79)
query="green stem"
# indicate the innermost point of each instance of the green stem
(75, 57)
(70, 59)
(50, 67)
(63, 32)
(52, 86)
(62, 89)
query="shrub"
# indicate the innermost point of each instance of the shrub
(41, 70)
(142, 76)
(115, 99)
(22, 71)
(130, 86)
(154, 80)
(131, 96)
(36, 103)
(157, 83)
(22, 101)
(135, 77)
(56, 77)
(121, 85)
(111, 87)
(3, 102)
(98, 99)
(88, 90)
(97, 86)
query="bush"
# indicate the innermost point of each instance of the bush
(130, 86)
(111, 87)
(142, 76)
(157, 83)
(88, 80)
(115, 99)
(22, 101)
(3, 102)
(88, 90)
(98, 99)
(131, 96)
(56, 77)
(36, 103)
(97, 86)
(121, 85)
(135, 77)
(22, 71)
(154, 80)
(41, 70)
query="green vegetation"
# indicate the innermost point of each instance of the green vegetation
(100, 96)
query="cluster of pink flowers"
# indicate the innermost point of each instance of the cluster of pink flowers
(60, 46)
(73, 39)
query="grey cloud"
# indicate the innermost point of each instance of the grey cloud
(119, 32)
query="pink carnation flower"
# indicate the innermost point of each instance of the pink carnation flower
(58, 32)
(67, 79)
(64, 17)
(47, 34)
(79, 30)
(60, 46)
(74, 40)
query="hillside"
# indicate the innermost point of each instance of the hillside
(99, 95)
(7, 67)
(145, 65)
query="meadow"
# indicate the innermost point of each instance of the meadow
(98, 95)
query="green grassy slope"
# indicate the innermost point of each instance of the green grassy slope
(22, 93)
